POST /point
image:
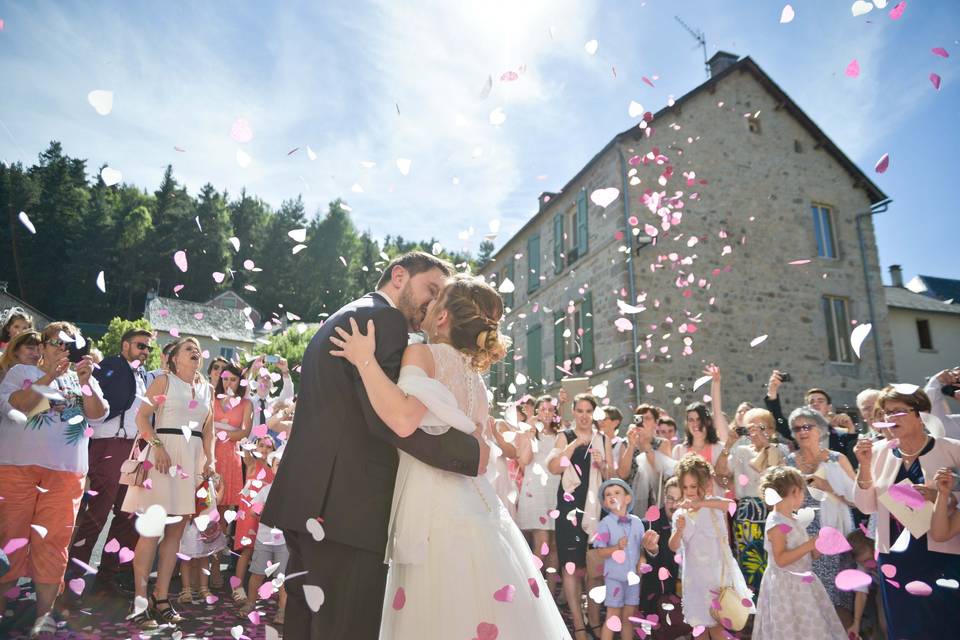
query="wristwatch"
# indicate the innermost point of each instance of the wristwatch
(156, 442)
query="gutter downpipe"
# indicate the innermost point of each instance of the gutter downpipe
(631, 279)
(879, 207)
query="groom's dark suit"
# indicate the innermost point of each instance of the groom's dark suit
(340, 465)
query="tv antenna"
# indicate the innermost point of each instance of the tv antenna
(701, 39)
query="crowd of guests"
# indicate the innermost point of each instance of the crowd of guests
(769, 524)
(181, 456)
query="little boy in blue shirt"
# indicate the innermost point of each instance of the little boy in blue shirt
(622, 540)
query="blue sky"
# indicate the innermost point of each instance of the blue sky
(375, 81)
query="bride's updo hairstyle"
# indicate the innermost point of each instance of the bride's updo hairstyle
(475, 310)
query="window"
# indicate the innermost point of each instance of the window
(558, 243)
(838, 328)
(576, 246)
(573, 338)
(533, 261)
(534, 359)
(228, 352)
(753, 123)
(823, 230)
(923, 334)
(506, 272)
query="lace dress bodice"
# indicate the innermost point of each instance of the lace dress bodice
(454, 372)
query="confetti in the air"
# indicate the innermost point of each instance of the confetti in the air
(897, 12)
(604, 197)
(110, 176)
(180, 259)
(241, 131)
(591, 47)
(403, 165)
(758, 340)
(787, 14)
(935, 81)
(298, 235)
(101, 283)
(25, 221)
(858, 335)
(497, 117)
(860, 7)
(853, 69)
(883, 163)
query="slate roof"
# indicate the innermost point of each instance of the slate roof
(939, 288)
(905, 299)
(8, 300)
(165, 314)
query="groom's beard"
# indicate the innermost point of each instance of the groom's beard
(414, 315)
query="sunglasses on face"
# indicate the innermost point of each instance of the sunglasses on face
(57, 343)
(800, 428)
(143, 346)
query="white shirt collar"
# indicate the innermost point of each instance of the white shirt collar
(386, 297)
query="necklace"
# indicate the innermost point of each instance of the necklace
(810, 467)
(914, 454)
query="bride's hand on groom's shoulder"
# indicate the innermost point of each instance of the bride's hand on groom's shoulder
(356, 347)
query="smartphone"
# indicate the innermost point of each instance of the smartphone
(272, 359)
(742, 431)
(785, 377)
(75, 352)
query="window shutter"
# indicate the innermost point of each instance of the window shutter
(534, 359)
(533, 260)
(558, 243)
(586, 322)
(510, 370)
(508, 297)
(582, 224)
(558, 345)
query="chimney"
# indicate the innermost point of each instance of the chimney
(721, 60)
(896, 275)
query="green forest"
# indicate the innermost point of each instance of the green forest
(63, 228)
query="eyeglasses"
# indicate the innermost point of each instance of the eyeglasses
(57, 343)
(803, 427)
(143, 346)
(889, 415)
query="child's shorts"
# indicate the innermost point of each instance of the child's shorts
(272, 553)
(620, 593)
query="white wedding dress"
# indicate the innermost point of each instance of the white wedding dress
(459, 567)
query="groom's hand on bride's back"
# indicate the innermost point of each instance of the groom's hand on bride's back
(484, 450)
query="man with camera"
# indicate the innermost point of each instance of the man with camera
(943, 385)
(262, 386)
(123, 379)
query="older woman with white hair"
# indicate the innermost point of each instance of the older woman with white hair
(830, 487)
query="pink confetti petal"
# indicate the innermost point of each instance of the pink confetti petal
(212, 599)
(853, 69)
(897, 11)
(265, 590)
(663, 573)
(918, 588)
(180, 259)
(882, 163)
(235, 582)
(125, 555)
(112, 546)
(399, 599)
(505, 593)
(254, 617)
(619, 556)
(831, 542)
(935, 81)
(940, 51)
(241, 131)
(907, 495)
(889, 570)
(614, 624)
(743, 480)
(218, 277)
(77, 585)
(852, 579)
(570, 568)
(653, 513)
(487, 631)
(534, 587)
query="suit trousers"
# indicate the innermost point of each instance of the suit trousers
(106, 495)
(353, 582)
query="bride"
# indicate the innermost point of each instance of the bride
(459, 567)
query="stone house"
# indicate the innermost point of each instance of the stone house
(724, 217)
(924, 321)
(221, 332)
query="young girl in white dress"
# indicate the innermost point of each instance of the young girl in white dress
(459, 566)
(700, 534)
(792, 605)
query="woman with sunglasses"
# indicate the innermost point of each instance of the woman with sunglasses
(829, 477)
(45, 413)
(914, 562)
(24, 349)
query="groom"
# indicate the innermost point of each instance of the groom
(333, 490)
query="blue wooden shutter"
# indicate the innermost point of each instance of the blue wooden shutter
(533, 260)
(582, 229)
(558, 243)
(534, 359)
(559, 326)
(586, 323)
(510, 369)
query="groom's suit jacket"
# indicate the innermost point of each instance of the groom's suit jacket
(341, 460)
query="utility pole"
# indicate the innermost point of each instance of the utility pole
(701, 39)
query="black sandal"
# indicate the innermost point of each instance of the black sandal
(168, 615)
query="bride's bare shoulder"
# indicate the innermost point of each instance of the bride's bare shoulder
(419, 355)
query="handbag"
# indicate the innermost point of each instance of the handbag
(731, 612)
(133, 471)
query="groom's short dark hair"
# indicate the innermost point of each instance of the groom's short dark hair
(415, 262)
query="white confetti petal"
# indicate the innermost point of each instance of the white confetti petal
(310, 153)
(110, 176)
(787, 14)
(403, 165)
(591, 47)
(101, 283)
(771, 497)
(235, 242)
(701, 381)
(314, 596)
(604, 197)
(758, 340)
(298, 248)
(243, 158)
(497, 117)
(506, 286)
(860, 7)
(101, 100)
(25, 220)
(858, 335)
(635, 110)
(298, 235)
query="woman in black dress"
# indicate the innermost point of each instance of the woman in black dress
(583, 456)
